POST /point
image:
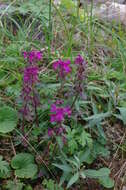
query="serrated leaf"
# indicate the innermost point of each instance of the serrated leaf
(103, 172)
(106, 182)
(4, 168)
(8, 119)
(100, 149)
(73, 180)
(72, 144)
(97, 118)
(86, 156)
(13, 185)
(85, 138)
(24, 165)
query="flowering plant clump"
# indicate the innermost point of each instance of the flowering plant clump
(29, 95)
(63, 67)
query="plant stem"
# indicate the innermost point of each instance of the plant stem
(74, 100)
(78, 5)
(50, 27)
(62, 19)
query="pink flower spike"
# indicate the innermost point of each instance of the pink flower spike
(67, 62)
(55, 65)
(25, 54)
(79, 59)
(63, 67)
(31, 74)
(58, 113)
(33, 56)
(53, 108)
(50, 132)
(67, 111)
(38, 55)
(52, 118)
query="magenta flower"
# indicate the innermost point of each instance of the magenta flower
(67, 110)
(58, 116)
(58, 113)
(33, 56)
(63, 67)
(50, 132)
(29, 94)
(80, 75)
(79, 59)
(31, 74)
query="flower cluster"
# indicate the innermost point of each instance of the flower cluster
(80, 76)
(63, 67)
(58, 114)
(31, 74)
(32, 56)
(29, 95)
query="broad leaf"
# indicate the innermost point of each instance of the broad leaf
(14, 185)
(24, 165)
(4, 168)
(106, 182)
(8, 119)
(103, 172)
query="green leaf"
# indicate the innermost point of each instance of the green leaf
(65, 168)
(8, 119)
(4, 168)
(14, 185)
(85, 138)
(103, 172)
(123, 114)
(106, 182)
(71, 8)
(83, 175)
(73, 180)
(99, 149)
(72, 144)
(64, 176)
(86, 156)
(102, 175)
(24, 165)
(97, 118)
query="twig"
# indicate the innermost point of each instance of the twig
(12, 145)
(123, 138)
